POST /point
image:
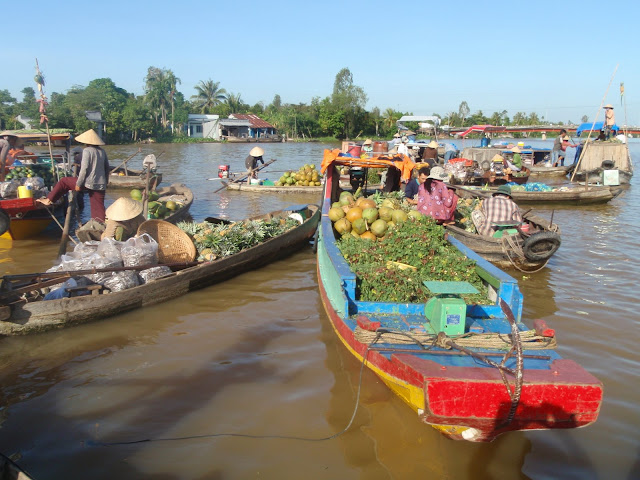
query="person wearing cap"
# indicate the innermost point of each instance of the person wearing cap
(500, 208)
(93, 176)
(367, 146)
(411, 189)
(7, 142)
(430, 153)
(435, 199)
(251, 162)
(609, 120)
(124, 217)
(558, 152)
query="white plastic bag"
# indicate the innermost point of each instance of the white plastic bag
(142, 250)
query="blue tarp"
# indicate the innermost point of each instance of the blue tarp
(596, 127)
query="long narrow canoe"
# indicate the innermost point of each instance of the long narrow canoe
(244, 187)
(566, 195)
(38, 316)
(542, 171)
(456, 390)
(120, 178)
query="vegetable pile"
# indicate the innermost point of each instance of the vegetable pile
(393, 268)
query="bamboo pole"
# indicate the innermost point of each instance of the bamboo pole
(575, 170)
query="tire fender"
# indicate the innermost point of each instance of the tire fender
(540, 246)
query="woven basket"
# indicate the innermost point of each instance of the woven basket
(173, 244)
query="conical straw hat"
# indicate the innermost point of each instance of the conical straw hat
(90, 137)
(432, 144)
(256, 152)
(124, 209)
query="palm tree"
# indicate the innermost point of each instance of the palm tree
(234, 102)
(157, 93)
(172, 83)
(209, 95)
(390, 118)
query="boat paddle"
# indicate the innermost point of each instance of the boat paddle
(246, 176)
(124, 164)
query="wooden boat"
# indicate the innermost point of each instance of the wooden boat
(245, 187)
(20, 317)
(598, 157)
(564, 195)
(456, 390)
(528, 249)
(28, 218)
(11, 471)
(540, 170)
(128, 178)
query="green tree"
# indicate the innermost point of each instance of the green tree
(138, 118)
(348, 99)
(157, 93)
(520, 118)
(209, 94)
(172, 84)
(585, 119)
(6, 108)
(235, 104)
(376, 118)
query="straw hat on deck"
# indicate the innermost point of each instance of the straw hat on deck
(90, 137)
(124, 209)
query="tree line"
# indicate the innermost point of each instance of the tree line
(161, 113)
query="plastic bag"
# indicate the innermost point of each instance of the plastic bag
(86, 249)
(154, 273)
(142, 250)
(119, 281)
(36, 183)
(9, 189)
(111, 249)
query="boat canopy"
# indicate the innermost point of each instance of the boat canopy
(597, 126)
(400, 161)
(482, 129)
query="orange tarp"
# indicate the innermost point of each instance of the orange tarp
(401, 162)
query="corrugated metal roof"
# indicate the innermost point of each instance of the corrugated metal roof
(235, 122)
(256, 121)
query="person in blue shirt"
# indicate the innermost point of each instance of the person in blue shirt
(411, 190)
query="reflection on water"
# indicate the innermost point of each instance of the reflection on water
(256, 355)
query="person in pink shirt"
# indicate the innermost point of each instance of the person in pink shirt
(435, 199)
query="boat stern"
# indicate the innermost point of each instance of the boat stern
(473, 403)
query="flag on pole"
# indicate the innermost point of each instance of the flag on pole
(621, 91)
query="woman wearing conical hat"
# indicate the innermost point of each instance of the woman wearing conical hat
(124, 216)
(251, 162)
(93, 176)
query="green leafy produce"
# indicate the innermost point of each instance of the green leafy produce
(416, 242)
(213, 241)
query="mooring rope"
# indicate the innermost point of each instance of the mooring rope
(510, 244)
(493, 341)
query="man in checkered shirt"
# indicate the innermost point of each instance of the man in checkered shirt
(500, 208)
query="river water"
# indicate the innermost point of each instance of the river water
(256, 356)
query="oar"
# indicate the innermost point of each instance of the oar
(124, 164)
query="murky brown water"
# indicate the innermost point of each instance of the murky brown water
(256, 356)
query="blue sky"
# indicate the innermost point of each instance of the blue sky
(552, 58)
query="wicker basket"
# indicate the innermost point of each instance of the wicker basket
(173, 244)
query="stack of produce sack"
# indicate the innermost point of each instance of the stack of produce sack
(111, 254)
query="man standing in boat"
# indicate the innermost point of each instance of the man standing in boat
(609, 120)
(93, 176)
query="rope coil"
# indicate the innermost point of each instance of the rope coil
(490, 341)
